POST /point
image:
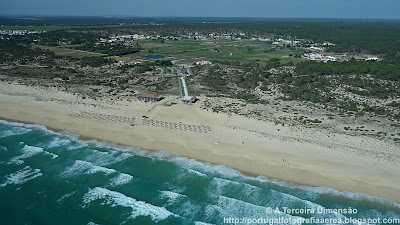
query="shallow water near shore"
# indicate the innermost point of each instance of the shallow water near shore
(55, 178)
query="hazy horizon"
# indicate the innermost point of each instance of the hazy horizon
(308, 9)
(21, 16)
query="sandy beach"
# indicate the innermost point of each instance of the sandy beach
(306, 156)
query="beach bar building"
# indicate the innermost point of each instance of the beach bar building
(150, 98)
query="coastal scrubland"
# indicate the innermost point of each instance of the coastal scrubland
(257, 72)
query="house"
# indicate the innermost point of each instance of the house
(150, 98)
(203, 62)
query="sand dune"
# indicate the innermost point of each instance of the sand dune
(308, 156)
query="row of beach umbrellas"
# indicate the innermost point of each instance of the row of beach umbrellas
(176, 126)
(106, 117)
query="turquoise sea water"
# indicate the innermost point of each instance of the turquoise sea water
(54, 178)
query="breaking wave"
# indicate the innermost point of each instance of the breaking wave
(141, 185)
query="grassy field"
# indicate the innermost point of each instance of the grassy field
(218, 50)
(244, 51)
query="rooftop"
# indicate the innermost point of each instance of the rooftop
(148, 96)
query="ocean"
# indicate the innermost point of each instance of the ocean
(51, 177)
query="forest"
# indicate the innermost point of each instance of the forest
(109, 49)
(385, 69)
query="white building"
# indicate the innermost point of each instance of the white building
(203, 62)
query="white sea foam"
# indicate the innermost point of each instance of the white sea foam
(205, 167)
(91, 223)
(253, 195)
(66, 196)
(283, 199)
(201, 223)
(177, 187)
(76, 145)
(29, 126)
(231, 173)
(219, 186)
(139, 208)
(63, 134)
(57, 142)
(307, 189)
(14, 131)
(119, 148)
(190, 164)
(161, 155)
(67, 135)
(172, 197)
(208, 167)
(27, 151)
(121, 179)
(97, 169)
(213, 211)
(330, 191)
(192, 171)
(82, 167)
(22, 176)
(106, 158)
(2, 148)
(240, 208)
(181, 204)
(186, 175)
(53, 156)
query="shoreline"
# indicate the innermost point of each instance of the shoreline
(245, 149)
(339, 193)
(81, 137)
